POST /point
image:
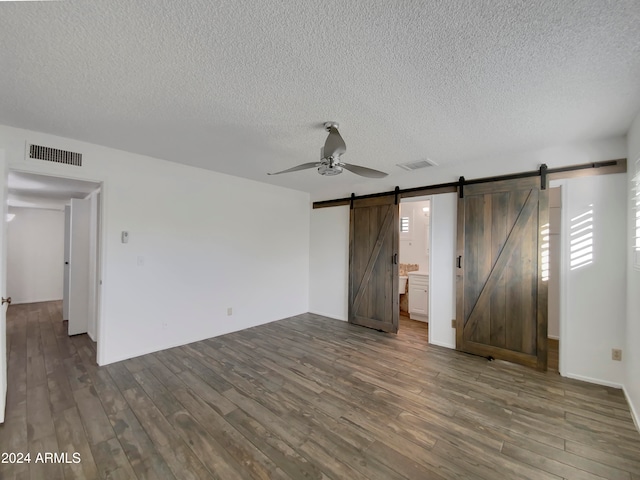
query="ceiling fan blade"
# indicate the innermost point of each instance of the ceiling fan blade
(363, 171)
(334, 146)
(304, 166)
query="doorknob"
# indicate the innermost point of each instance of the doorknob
(6, 300)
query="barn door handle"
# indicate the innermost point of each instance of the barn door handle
(395, 258)
(459, 261)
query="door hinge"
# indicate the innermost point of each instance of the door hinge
(453, 323)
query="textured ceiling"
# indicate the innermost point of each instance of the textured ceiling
(242, 87)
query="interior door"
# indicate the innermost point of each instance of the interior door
(373, 264)
(501, 297)
(3, 286)
(79, 266)
(67, 251)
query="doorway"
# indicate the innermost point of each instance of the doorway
(54, 248)
(414, 253)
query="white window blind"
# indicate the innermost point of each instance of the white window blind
(404, 225)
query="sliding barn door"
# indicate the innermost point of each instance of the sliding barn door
(373, 264)
(501, 295)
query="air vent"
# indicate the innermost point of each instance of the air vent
(417, 165)
(49, 154)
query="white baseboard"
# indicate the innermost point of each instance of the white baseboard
(329, 316)
(597, 381)
(3, 405)
(443, 344)
(553, 337)
(634, 412)
(24, 302)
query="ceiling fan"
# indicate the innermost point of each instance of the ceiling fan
(330, 163)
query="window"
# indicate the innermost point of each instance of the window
(404, 225)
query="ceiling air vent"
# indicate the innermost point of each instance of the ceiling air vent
(55, 155)
(417, 165)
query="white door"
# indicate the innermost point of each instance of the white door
(79, 261)
(3, 286)
(67, 251)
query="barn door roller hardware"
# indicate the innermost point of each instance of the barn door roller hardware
(461, 187)
(543, 176)
(612, 166)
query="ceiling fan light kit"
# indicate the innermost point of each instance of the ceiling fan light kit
(330, 163)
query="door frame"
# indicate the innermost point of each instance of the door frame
(4, 354)
(101, 250)
(430, 241)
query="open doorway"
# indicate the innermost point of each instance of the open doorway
(414, 251)
(53, 250)
(552, 276)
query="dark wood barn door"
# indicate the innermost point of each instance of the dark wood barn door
(373, 264)
(501, 296)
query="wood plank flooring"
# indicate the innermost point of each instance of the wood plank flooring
(305, 397)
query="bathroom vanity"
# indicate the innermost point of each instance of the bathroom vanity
(419, 296)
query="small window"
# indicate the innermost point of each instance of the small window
(404, 225)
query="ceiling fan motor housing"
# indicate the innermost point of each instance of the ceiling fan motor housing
(329, 169)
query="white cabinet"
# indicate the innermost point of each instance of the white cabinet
(419, 296)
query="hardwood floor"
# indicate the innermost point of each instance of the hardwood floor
(305, 397)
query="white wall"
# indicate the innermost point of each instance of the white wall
(442, 278)
(513, 162)
(631, 354)
(414, 245)
(200, 242)
(35, 259)
(593, 297)
(329, 262)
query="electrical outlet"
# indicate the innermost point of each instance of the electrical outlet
(616, 354)
(229, 311)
